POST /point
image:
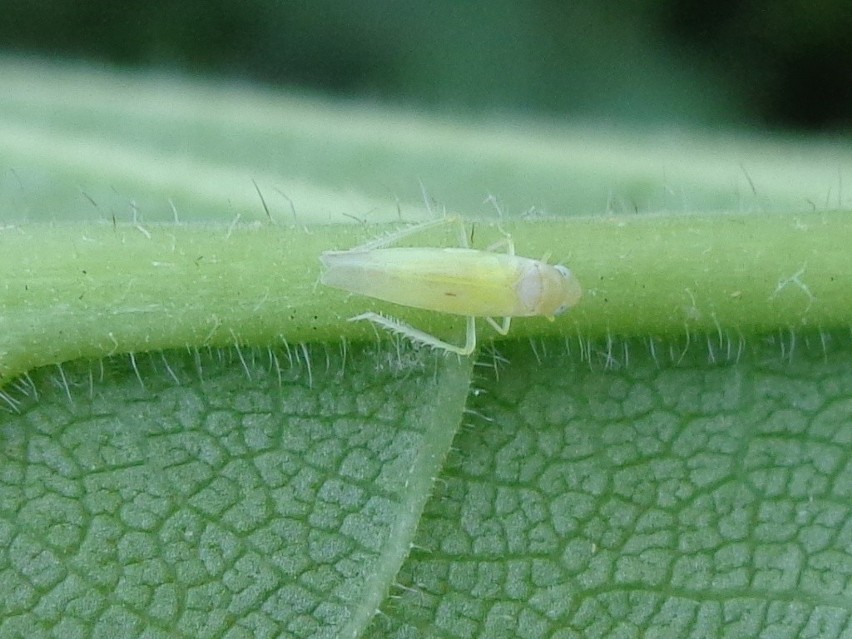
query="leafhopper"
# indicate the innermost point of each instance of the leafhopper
(461, 281)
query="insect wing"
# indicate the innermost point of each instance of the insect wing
(458, 281)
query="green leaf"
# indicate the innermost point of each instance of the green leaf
(630, 495)
(199, 444)
(204, 496)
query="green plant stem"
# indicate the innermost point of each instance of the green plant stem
(91, 290)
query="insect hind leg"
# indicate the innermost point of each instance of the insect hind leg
(421, 337)
(393, 238)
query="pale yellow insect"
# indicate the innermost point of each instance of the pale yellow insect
(461, 281)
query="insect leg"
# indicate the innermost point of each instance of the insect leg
(411, 230)
(507, 242)
(502, 328)
(421, 337)
(507, 237)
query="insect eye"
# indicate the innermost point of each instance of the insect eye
(564, 271)
(570, 289)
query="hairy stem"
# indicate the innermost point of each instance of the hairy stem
(91, 290)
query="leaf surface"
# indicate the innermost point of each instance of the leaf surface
(197, 443)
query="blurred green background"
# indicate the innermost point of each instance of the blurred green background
(750, 63)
